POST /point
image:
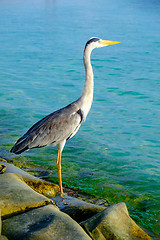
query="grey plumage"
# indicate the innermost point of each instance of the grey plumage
(51, 130)
(61, 125)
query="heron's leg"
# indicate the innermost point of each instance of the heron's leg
(59, 171)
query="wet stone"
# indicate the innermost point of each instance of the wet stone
(77, 209)
(16, 196)
(45, 223)
(114, 223)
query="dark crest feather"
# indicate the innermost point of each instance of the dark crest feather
(94, 39)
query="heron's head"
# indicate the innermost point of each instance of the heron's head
(95, 42)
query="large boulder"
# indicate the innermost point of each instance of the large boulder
(77, 209)
(16, 196)
(114, 223)
(45, 223)
(46, 188)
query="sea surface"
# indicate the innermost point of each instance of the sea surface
(116, 153)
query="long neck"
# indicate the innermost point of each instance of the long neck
(87, 94)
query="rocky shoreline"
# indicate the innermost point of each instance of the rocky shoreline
(30, 209)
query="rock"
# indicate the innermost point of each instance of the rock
(2, 168)
(16, 196)
(114, 223)
(77, 209)
(2, 160)
(1, 237)
(45, 223)
(46, 188)
(43, 187)
(13, 169)
(0, 223)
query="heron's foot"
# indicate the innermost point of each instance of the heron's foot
(61, 195)
(63, 198)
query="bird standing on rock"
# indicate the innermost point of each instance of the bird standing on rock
(63, 124)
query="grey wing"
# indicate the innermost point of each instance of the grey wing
(67, 126)
(51, 130)
(59, 127)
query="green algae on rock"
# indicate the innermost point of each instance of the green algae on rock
(46, 188)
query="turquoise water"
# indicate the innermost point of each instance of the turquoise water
(115, 154)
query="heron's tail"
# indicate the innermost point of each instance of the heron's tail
(20, 146)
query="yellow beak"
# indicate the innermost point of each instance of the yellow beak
(107, 42)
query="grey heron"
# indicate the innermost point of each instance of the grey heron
(61, 125)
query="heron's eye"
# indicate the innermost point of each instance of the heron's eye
(100, 41)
